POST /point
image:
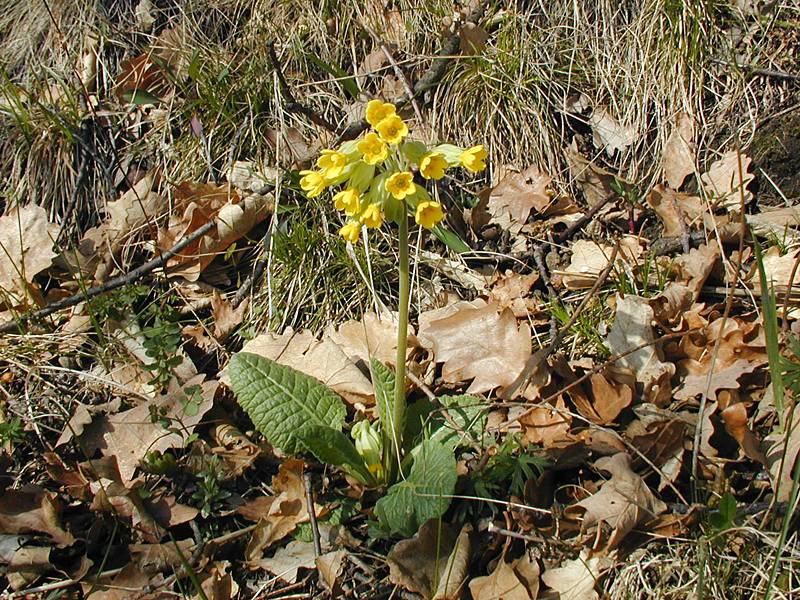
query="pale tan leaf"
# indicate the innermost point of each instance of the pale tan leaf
(726, 379)
(778, 222)
(724, 184)
(546, 424)
(511, 201)
(131, 434)
(481, 343)
(593, 181)
(26, 248)
(374, 336)
(679, 152)
(590, 258)
(696, 266)
(671, 206)
(608, 133)
(632, 328)
(454, 574)
(782, 449)
(330, 566)
(778, 269)
(622, 503)
(518, 580)
(576, 578)
(287, 561)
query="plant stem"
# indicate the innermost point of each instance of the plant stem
(399, 407)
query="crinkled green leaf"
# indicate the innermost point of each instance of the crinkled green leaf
(333, 447)
(424, 495)
(467, 412)
(281, 400)
(383, 384)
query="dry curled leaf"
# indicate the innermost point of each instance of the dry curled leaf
(725, 379)
(518, 580)
(26, 249)
(513, 199)
(727, 179)
(33, 509)
(679, 152)
(633, 328)
(478, 341)
(622, 503)
(576, 578)
(608, 133)
(434, 562)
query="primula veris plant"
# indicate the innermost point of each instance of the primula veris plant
(381, 178)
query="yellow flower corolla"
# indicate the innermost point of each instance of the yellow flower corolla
(350, 230)
(392, 129)
(373, 149)
(432, 166)
(400, 185)
(473, 159)
(377, 111)
(313, 183)
(372, 216)
(347, 201)
(428, 214)
(332, 163)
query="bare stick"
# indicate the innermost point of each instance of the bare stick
(312, 515)
(292, 105)
(111, 284)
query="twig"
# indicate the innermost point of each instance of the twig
(111, 284)
(292, 105)
(312, 515)
(58, 585)
(668, 245)
(254, 277)
(429, 80)
(399, 73)
(750, 69)
(570, 231)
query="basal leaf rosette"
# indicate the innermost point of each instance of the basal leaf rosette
(381, 177)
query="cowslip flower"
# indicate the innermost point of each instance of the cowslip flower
(392, 129)
(313, 183)
(400, 185)
(347, 201)
(377, 111)
(428, 214)
(349, 231)
(432, 166)
(473, 159)
(332, 163)
(372, 216)
(373, 149)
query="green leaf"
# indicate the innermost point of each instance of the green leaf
(334, 448)
(281, 401)
(140, 97)
(450, 239)
(347, 81)
(424, 495)
(770, 316)
(467, 412)
(725, 515)
(383, 382)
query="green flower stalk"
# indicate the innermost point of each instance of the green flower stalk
(375, 180)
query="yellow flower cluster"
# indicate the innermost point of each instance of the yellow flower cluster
(376, 173)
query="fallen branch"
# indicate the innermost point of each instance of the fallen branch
(111, 284)
(292, 105)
